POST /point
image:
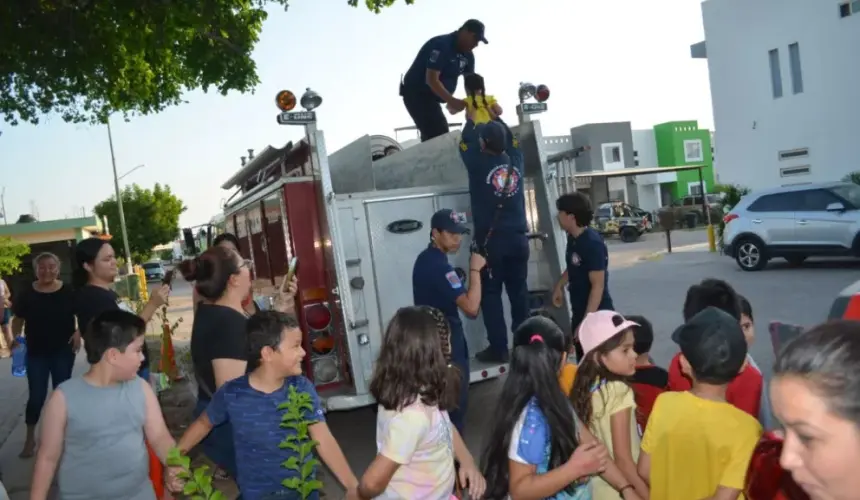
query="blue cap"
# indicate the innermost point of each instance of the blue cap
(494, 135)
(476, 27)
(449, 221)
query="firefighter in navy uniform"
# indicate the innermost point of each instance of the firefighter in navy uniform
(435, 283)
(495, 168)
(432, 78)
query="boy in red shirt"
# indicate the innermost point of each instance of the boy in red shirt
(649, 381)
(745, 391)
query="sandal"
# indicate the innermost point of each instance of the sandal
(220, 474)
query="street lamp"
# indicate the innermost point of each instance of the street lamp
(130, 171)
(119, 202)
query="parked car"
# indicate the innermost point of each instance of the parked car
(794, 223)
(692, 204)
(619, 218)
(153, 271)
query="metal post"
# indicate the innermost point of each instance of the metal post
(712, 241)
(119, 203)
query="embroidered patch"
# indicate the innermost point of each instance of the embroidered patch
(498, 179)
(454, 280)
(434, 56)
(574, 259)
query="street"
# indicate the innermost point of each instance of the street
(641, 281)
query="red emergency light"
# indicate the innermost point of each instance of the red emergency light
(542, 93)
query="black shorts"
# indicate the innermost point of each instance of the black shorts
(426, 113)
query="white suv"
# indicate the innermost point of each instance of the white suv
(794, 222)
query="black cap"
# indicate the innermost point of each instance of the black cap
(712, 340)
(494, 135)
(476, 27)
(449, 221)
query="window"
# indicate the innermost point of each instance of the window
(635, 154)
(693, 150)
(775, 74)
(635, 163)
(792, 171)
(814, 200)
(794, 153)
(781, 202)
(849, 193)
(796, 70)
(695, 189)
(844, 9)
(611, 153)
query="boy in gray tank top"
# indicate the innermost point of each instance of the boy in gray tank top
(95, 425)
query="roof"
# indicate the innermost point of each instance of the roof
(629, 172)
(49, 225)
(800, 187)
(259, 162)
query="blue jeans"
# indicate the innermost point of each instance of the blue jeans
(218, 445)
(56, 367)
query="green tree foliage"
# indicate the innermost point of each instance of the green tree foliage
(852, 177)
(11, 252)
(86, 59)
(732, 194)
(151, 217)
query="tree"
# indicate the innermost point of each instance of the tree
(87, 59)
(11, 252)
(151, 218)
(852, 177)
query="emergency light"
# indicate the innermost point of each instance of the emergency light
(310, 100)
(542, 93)
(527, 91)
(285, 100)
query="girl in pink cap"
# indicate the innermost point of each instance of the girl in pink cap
(602, 398)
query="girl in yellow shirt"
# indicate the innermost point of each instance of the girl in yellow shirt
(480, 107)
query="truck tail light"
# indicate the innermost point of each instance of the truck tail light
(730, 217)
(317, 316)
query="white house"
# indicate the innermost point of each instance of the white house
(784, 84)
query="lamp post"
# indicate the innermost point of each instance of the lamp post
(119, 202)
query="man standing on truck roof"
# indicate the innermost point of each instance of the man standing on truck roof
(435, 283)
(432, 78)
(494, 165)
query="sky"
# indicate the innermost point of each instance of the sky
(624, 60)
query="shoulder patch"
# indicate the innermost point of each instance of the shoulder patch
(463, 146)
(453, 280)
(434, 56)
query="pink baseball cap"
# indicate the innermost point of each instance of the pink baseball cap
(600, 326)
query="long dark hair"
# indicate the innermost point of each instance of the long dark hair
(86, 252)
(230, 237)
(539, 348)
(590, 371)
(211, 271)
(450, 399)
(474, 84)
(411, 364)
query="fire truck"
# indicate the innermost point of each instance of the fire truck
(355, 220)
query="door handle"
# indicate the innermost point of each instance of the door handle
(803, 222)
(756, 221)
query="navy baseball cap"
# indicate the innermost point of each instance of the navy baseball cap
(494, 135)
(476, 27)
(449, 221)
(712, 340)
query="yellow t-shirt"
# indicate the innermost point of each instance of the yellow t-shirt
(697, 445)
(609, 399)
(565, 378)
(480, 113)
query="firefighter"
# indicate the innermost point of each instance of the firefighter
(436, 283)
(432, 78)
(494, 166)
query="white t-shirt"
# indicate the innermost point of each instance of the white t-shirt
(419, 438)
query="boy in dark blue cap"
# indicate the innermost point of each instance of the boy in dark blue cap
(435, 283)
(432, 78)
(696, 444)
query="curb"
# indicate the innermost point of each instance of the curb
(684, 248)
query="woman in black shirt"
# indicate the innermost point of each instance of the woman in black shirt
(219, 347)
(45, 312)
(95, 273)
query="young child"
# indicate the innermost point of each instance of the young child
(537, 448)
(650, 380)
(603, 400)
(94, 425)
(745, 391)
(480, 107)
(697, 445)
(415, 439)
(250, 403)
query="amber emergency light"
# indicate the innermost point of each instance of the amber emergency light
(285, 100)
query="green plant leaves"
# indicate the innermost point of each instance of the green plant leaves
(298, 441)
(198, 483)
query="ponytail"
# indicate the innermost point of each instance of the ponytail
(80, 277)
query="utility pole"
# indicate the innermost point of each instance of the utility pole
(119, 202)
(3, 203)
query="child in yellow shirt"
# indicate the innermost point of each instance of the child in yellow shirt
(480, 107)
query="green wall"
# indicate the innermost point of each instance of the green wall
(670, 139)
